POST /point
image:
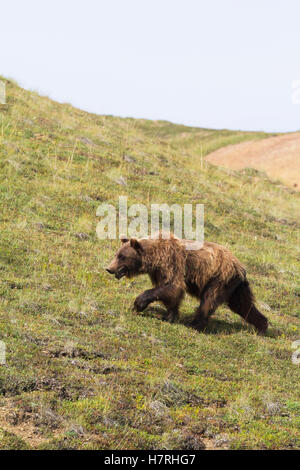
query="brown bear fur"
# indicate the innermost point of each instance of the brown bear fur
(211, 274)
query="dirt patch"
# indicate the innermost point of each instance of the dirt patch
(278, 156)
(25, 430)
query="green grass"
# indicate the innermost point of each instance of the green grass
(83, 371)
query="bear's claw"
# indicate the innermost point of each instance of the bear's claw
(140, 303)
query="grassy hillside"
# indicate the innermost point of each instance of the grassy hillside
(82, 370)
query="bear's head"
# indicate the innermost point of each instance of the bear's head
(128, 259)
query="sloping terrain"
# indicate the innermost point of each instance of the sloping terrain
(278, 156)
(82, 371)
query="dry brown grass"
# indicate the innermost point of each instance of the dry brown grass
(278, 156)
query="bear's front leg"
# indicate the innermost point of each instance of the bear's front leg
(172, 314)
(170, 294)
(143, 300)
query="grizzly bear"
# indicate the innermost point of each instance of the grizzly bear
(211, 274)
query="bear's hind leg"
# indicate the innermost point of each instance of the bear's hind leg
(242, 302)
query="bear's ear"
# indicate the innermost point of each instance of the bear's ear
(136, 245)
(124, 239)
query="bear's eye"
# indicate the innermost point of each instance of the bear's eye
(121, 257)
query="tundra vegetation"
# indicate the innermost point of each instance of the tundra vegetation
(82, 371)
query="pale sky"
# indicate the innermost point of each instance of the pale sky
(208, 63)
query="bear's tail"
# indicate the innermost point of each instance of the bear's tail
(242, 302)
